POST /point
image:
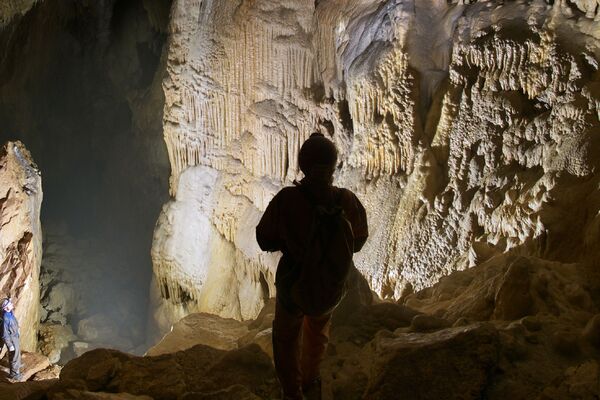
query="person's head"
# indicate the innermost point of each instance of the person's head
(7, 305)
(318, 158)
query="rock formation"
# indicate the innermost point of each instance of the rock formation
(513, 327)
(468, 130)
(21, 237)
(12, 8)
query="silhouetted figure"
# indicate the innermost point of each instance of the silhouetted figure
(318, 227)
(10, 336)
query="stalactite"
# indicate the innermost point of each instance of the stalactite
(214, 116)
(380, 109)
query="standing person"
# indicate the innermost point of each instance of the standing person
(10, 335)
(317, 227)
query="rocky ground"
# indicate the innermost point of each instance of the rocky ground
(514, 327)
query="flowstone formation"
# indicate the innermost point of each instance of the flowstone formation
(21, 237)
(468, 131)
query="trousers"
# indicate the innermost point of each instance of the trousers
(14, 359)
(299, 344)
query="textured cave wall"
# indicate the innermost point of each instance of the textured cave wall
(10, 9)
(467, 131)
(80, 84)
(21, 237)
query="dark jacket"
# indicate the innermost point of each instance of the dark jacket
(10, 330)
(285, 226)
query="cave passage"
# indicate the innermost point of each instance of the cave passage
(80, 86)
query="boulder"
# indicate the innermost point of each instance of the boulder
(52, 372)
(579, 382)
(53, 339)
(74, 394)
(454, 363)
(79, 348)
(97, 328)
(25, 390)
(514, 299)
(199, 369)
(206, 329)
(235, 392)
(424, 323)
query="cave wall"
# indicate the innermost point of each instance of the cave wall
(467, 130)
(21, 237)
(10, 9)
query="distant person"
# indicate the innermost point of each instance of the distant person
(10, 336)
(317, 227)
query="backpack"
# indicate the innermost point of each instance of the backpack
(327, 260)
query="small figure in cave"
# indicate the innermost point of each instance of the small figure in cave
(317, 227)
(10, 336)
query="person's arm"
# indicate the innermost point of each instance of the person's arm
(267, 230)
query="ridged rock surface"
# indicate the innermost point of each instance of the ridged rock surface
(466, 130)
(21, 237)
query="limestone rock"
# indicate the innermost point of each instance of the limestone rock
(12, 9)
(388, 350)
(101, 330)
(98, 327)
(453, 364)
(579, 382)
(234, 392)
(424, 323)
(79, 348)
(263, 338)
(199, 369)
(52, 372)
(32, 364)
(59, 302)
(592, 331)
(508, 288)
(21, 237)
(73, 394)
(465, 129)
(24, 390)
(205, 329)
(53, 339)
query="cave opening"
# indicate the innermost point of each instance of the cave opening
(80, 86)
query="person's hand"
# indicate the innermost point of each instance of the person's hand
(11, 348)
